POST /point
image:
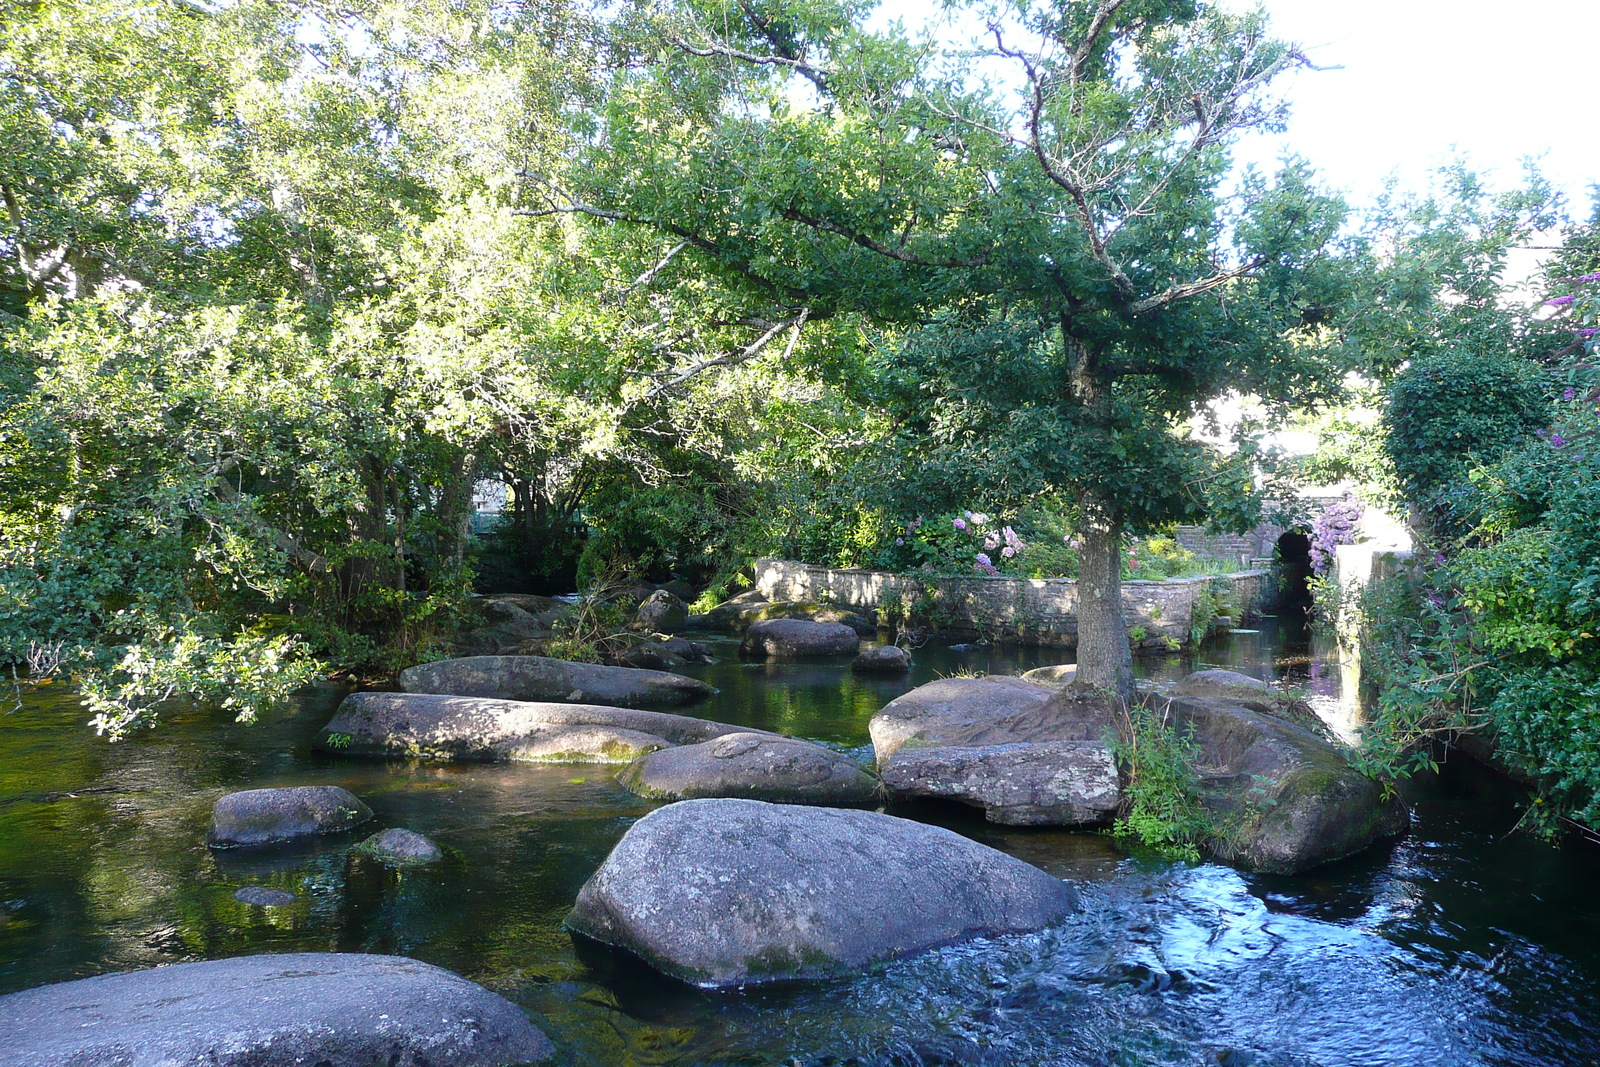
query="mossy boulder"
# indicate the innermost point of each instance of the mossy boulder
(1285, 799)
(726, 893)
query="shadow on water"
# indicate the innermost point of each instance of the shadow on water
(1457, 945)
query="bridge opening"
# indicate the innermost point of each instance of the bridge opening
(1294, 570)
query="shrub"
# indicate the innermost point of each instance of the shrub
(1451, 411)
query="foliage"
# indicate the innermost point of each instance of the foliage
(1450, 411)
(1048, 284)
(1162, 795)
(1334, 525)
(1497, 632)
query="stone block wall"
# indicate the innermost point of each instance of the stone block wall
(1041, 611)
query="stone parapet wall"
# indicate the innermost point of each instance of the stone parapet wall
(1041, 611)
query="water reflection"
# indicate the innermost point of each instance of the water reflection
(1459, 945)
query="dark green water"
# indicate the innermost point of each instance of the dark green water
(1458, 945)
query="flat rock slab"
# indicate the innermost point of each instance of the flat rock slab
(541, 679)
(1053, 783)
(426, 726)
(272, 816)
(799, 639)
(723, 893)
(783, 770)
(292, 1010)
(401, 848)
(963, 711)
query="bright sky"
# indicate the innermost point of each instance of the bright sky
(1424, 80)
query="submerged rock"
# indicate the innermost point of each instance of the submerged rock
(401, 848)
(290, 1010)
(723, 893)
(885, 659)
(539, 678)
(783, 770)
(1057, 677)
(262, 896)
(272, 816)
(799, 639)
(428, 726)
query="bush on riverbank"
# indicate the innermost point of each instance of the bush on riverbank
(1496, 631)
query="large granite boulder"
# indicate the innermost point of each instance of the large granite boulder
(799, 639)
(885, 659)
(960, 711)
(539, 678)
(428, 726)
(1048, 783)
(723, 893)
(783, 770)
(274, 816)
(293, 1010)
(1249, 692)
(1006, 745)
(661, 612)
(1285, 798)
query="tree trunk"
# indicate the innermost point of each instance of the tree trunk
(1105, 659)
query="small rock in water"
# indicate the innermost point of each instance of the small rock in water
(401, 848)
(886, 659)
(264, 896)
(272, 816)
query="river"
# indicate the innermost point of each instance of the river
(1461, 944)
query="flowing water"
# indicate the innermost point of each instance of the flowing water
(1461, 944)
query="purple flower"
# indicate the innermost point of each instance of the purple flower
(1560, 301)
(1595, 277)
(960, 524)
(983, 559)
(1568, 393)
(1008, 552)
(1587, 331)
(899, 540)
(1438, 557)
(1558, 441)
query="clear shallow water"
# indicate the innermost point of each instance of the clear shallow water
(1458, 945)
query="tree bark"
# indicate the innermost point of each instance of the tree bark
(1105, 659)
